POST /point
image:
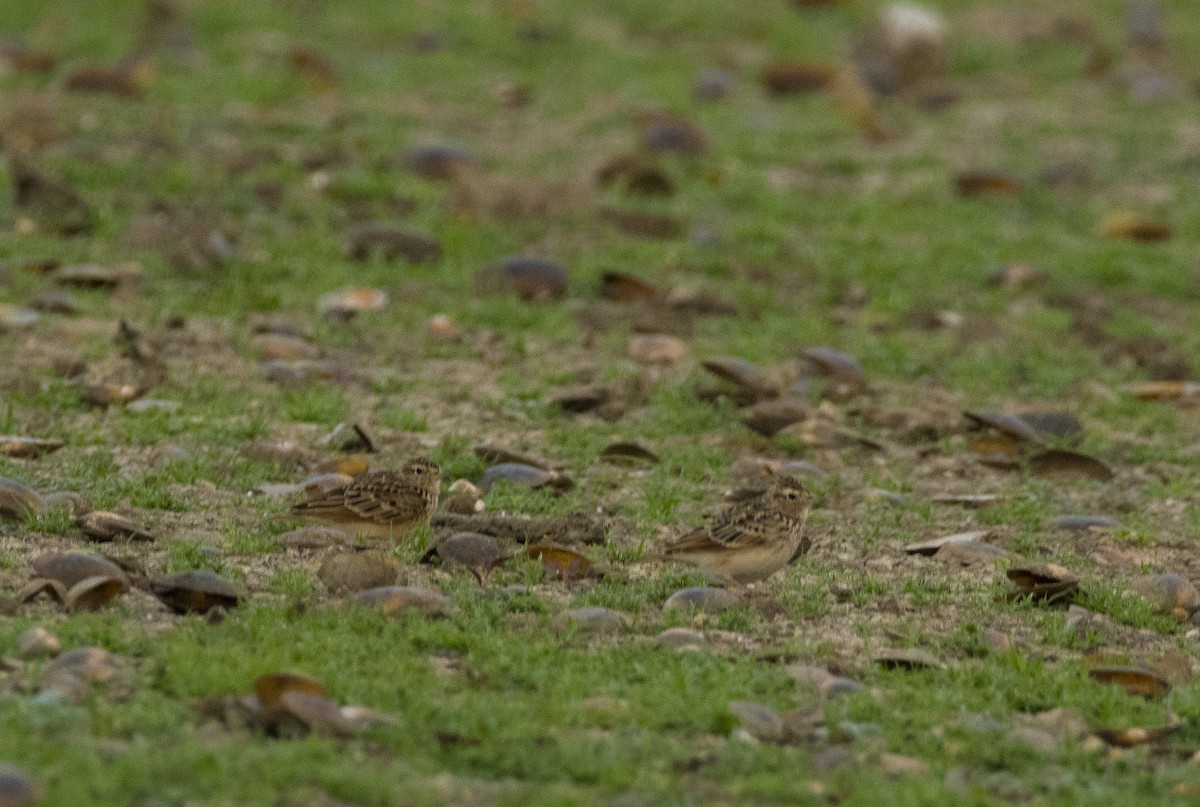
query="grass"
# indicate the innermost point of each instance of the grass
(789, 219)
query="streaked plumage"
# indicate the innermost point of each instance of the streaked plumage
(381, 504)
(749, 540)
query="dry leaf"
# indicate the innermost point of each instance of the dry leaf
(1133, 227)
(1057, 462)
(626, 288)
(349, 572)
(635, 174)
(12, 445)
(906, 658)
(71, 567)
(17, 501)
(979, 183)
(346, 303)
(441, 162)
(315, 65)
(93, 593)
(1134, 680)
(531, 279)
(390, 242)
(567, 563)
(393, 600)
(271, 688)
(196, 592)
(103, 526)
(1163, 390)
(932, 546)
(791, 77)
(624, 453)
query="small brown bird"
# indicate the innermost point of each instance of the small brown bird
(381, 504)
(749, 540)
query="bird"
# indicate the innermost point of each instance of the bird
(384, 505)
(749, 540)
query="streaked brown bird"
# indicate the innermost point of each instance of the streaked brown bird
(385, 505)
(749, 540)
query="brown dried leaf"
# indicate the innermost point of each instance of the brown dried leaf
(93, 593)
(24, 59)
(12, 445)
(49, 201)
(1133, 227)
(566, 563)
(969, 500)
(1134, 736)
(1044, 582)
(857, 103)
(580, 398)
(104, 526)
(391, 242)
(39, 585)
(314, 65)
(346, 303)
(1017, 276)
(906, 658)
(626, 453)
(1163, 390)
(196, 592)
(633, 173)
(931, 546)
(770, 416)
(317, 712)
(344, 465)
(1058, 462)
(1011, 425)
(72, 567)
(978, 183)
(95, 276)
(271, 688)
(441, 162)
(18, 502)
(742, 374)
(1134, 680)
(531, 279)
(842, 369)
(391, 600)
(656, 349)
(128, 80)
(996, 449)
(349, 572)
(792, 77)
(626, 288)
(642, 224)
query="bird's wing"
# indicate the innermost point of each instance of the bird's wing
(696, 540)
(321, 502)
(732, 532)
(385, 505)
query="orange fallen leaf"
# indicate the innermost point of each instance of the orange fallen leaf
(1133, 227)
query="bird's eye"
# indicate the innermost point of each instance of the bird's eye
(418, 470)
(793, 495)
